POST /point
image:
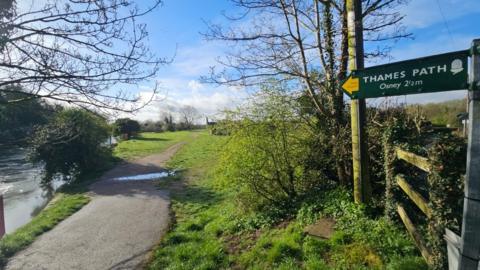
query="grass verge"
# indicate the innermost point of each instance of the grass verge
(212, 232)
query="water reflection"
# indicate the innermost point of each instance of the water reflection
(21, 184)
(148, 176)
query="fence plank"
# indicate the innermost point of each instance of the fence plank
(415, 235)
(414, 159)
(416, 197)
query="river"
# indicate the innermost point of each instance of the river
(20, 183)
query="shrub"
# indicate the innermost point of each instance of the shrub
(126, 126)
(264, 156)
(71, 143)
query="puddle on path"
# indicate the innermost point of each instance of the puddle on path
(143, 177)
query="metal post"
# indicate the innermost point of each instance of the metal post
(2, 217)
(361, 182)
(470, 242)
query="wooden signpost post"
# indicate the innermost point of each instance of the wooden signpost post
(444, 72)
(361, 177)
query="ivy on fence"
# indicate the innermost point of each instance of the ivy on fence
(447, 156)
(444, 183)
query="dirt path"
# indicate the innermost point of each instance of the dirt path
(116, 230)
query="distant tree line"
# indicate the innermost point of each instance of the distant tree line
(188, 115)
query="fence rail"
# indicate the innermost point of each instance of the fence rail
(419, 242)
(414, 159)
(416, 197)
(422, 203)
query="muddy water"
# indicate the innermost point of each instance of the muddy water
(20, 183)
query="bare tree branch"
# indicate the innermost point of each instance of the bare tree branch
(83, 52)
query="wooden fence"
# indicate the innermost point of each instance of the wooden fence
(422, 203)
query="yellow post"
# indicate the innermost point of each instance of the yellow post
(361, 182)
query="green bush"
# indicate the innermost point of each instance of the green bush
(264, 157)
(126, 126)
(72, 143)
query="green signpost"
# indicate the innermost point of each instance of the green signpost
(443, 72)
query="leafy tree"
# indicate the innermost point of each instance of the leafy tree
(18, 121)
(126, 126)
(72, 143)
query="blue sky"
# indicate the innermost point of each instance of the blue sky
(174, 30)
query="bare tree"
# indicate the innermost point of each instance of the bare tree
(189, 115)
(90, 53)
(303, 41)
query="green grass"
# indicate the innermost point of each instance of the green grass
(63, 206)
(193, 243)
(213, 232)
(150, 143)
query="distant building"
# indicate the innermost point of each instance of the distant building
(210, 123)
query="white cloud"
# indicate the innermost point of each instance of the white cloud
(207, 104)
(180, 82)
(195, 85)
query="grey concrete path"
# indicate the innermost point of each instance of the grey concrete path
(116, 230)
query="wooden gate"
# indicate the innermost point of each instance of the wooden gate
(423, 164)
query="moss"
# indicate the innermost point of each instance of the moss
(359, 255)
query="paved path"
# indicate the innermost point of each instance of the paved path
(116, 230)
